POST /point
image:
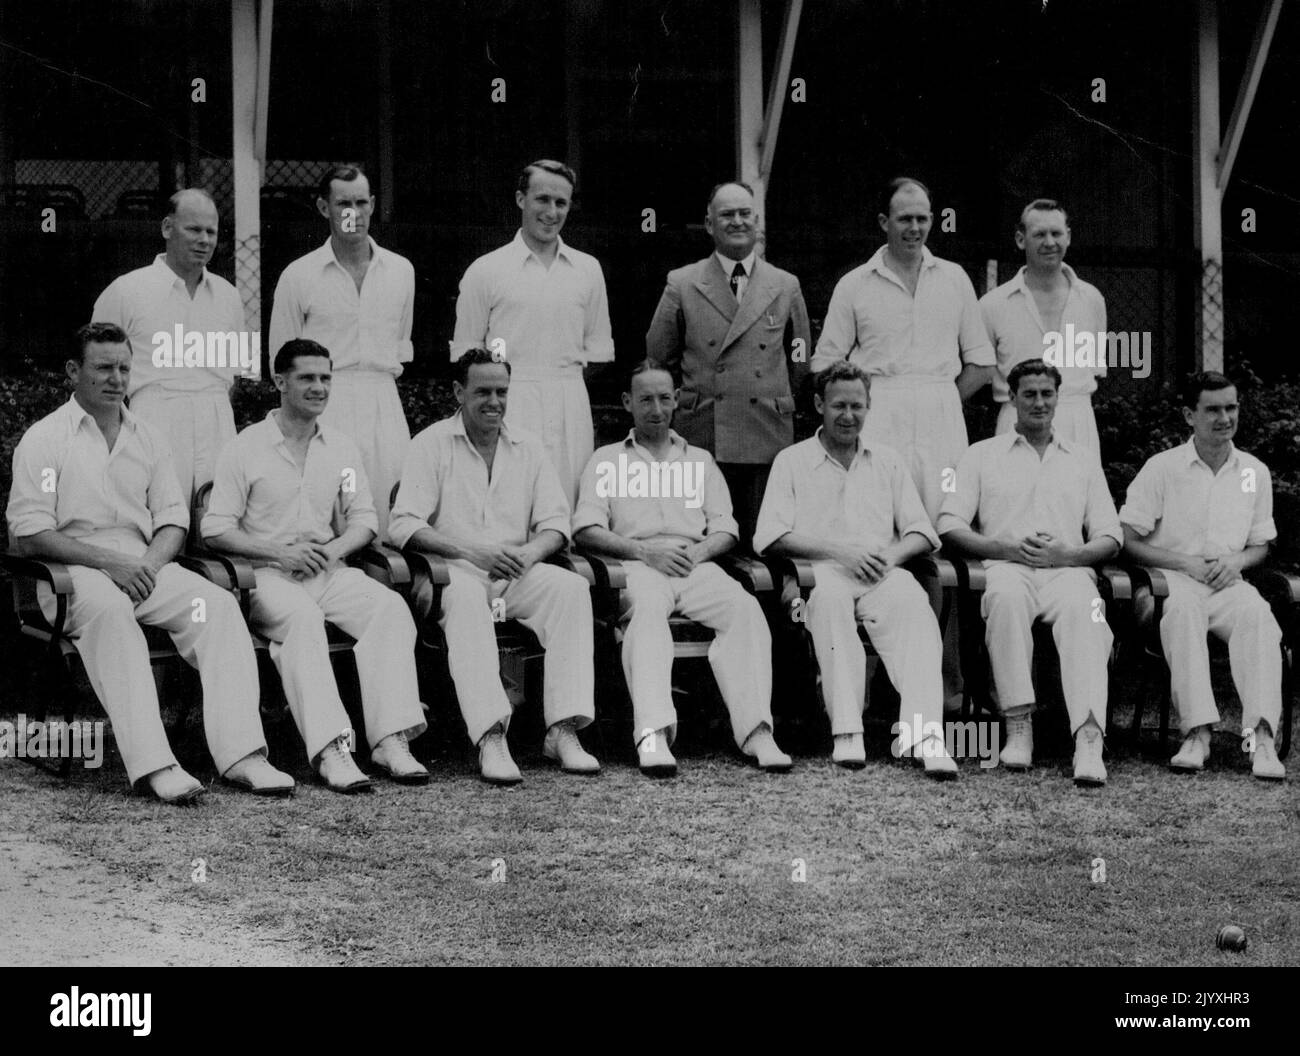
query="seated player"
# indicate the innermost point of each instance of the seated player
(668, 534)
(487, 499)
(273, 500)
(851, 507)
(1044, 517)
(94, 488)
(1203, 512)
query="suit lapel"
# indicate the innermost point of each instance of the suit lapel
(715, 288)
(760, 292)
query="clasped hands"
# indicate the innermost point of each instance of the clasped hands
(1215, 572)
(1042, 550)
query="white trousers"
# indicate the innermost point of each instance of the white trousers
(553, 603)
(556, 410)
(211, 637)
(1074, 421)
(921, 418)
(197, 425)
(364, 405)
(292, 614)
(1067, 599)
(902, 628)
(1239, 616)
(740, 653)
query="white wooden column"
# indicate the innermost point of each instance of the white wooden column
(1207, 198)
(249, 92)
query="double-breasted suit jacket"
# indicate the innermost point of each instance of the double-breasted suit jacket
(740, 363)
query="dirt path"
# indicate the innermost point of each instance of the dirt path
(58, 909)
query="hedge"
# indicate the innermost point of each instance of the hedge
(1133, 425)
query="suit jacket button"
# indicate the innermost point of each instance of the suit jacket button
(712, 342)
(753, 399)
(721, 369)
(761, 345)
(719, 396)
(758, 373)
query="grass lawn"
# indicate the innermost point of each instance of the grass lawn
(995, 868)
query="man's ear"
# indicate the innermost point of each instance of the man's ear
(883, 221)
(323, 208)
(166, 227)
(71, 367)
(520, 199)
(1020, 239)
(1189, 416)
(458, 390)
(627, 402)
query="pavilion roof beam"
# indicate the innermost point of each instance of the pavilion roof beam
(1250, 77)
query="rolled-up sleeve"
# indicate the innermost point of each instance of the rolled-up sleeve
(961, 505)
(1100, 517)
(1144, 500)
(550, 507)
(1262, 528)
(167, 506)
(909, 510)
(593, 509)
(417, 497)
(357, 502)
(776, 514)
(31, 507)
(228, 500)
(718, 513)
(972, 335)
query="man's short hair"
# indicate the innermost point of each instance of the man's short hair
(726, 183)
(291, 350)
(346, 173)
(645, 367)
(1041, 205)
(894, 186)
(174, 202)
(842, 370)
(1032, 366)
(460, 369)
(96, 334)
(1203, 381)
(555, 168)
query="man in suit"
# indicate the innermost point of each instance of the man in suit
(734, 329)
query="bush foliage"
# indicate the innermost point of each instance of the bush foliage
(1133, 425)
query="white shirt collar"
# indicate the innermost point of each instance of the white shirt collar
(729, 265)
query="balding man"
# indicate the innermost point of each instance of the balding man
(1043, 299)
(187, 332)
(911, 321)
(734, 329)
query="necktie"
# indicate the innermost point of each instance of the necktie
(737, 277)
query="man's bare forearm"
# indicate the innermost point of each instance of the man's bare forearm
(353, 539)
(53, 545)
(971, 379)
(238, 542)
(603, 542)
(805, 546)
(715, 544)
(973, 544)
